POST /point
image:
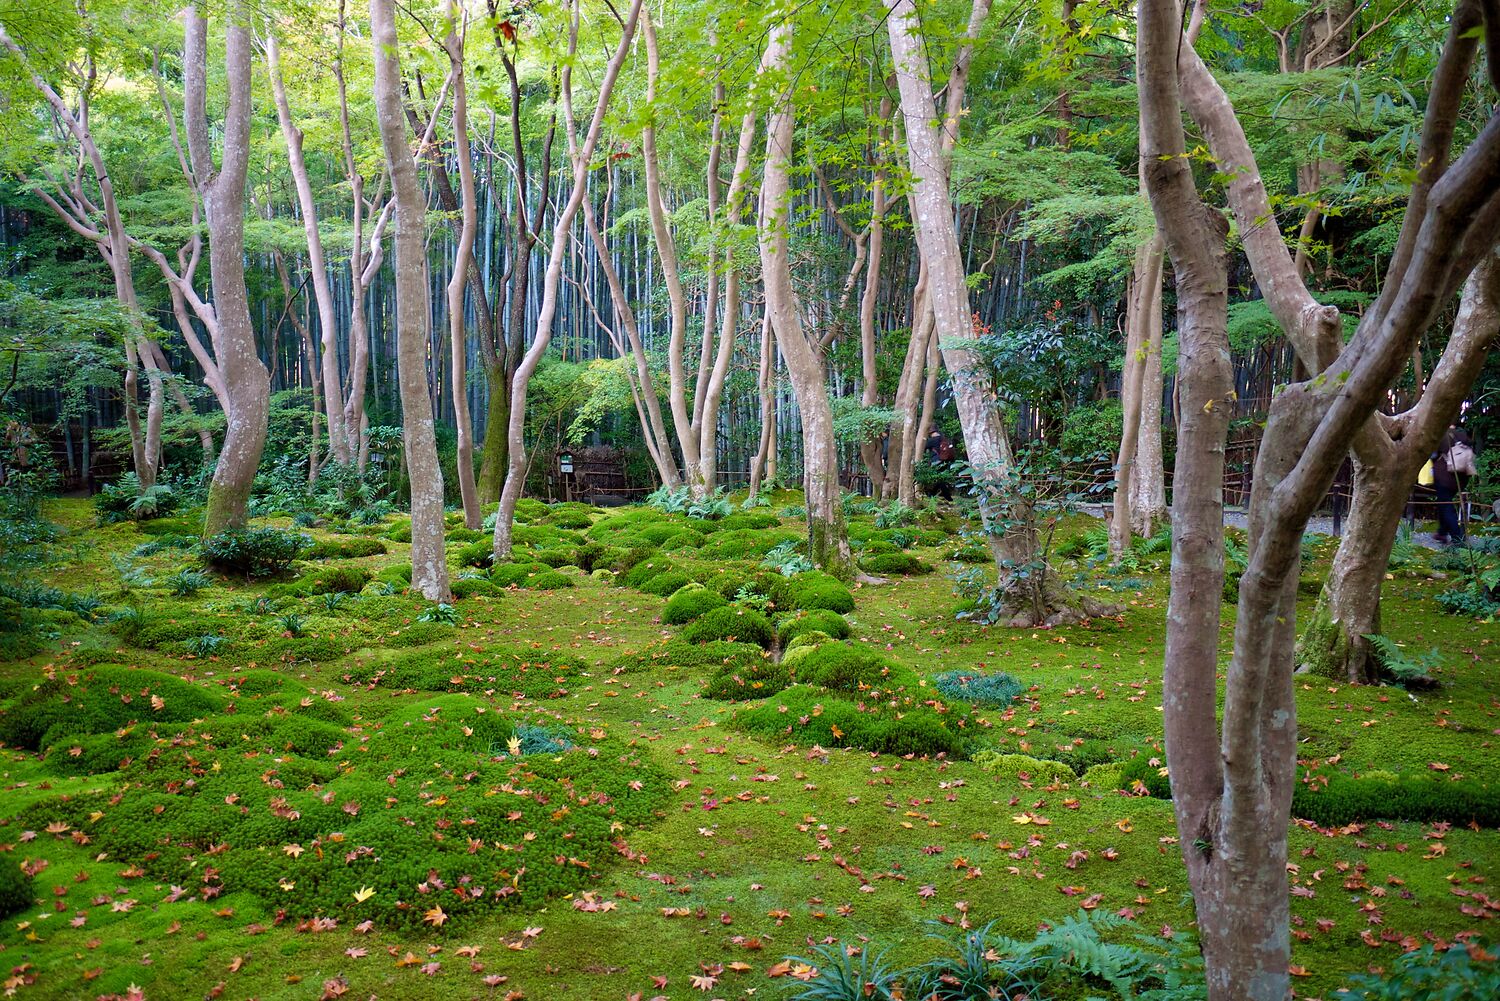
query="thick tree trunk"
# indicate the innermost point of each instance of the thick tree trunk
(828, 537)
(245, 379)
(429, 567)
(1334, 643)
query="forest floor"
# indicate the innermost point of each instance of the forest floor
(752, 849)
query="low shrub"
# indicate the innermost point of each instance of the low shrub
(895, 564)
(344, 549)
(687, 605)
(15, 888)
(253, 552)
(732, 622)
(570, 517)
(555, 557)
(1462, 970)
(820, 620)
(805, 715)
(996, 689)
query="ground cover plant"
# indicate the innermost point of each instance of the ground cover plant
(576, 792)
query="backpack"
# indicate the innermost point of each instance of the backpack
(1460, 459)
(945, 451)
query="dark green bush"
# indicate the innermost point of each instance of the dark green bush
(805, 715)
(15, 888)
(894, 564)
(818, 620)
(253, 552)
(685, 606)
(732, 622)
(344, 549)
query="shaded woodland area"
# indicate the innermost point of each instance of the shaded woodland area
(350, 350)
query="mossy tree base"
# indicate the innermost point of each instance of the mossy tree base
(1329, 649)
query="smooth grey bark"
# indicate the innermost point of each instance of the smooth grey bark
(246, 382)
(429, 566)
(828, 537)
(1232, 784)
(317, 263)
(463, 258)
(582, 154)
(1030, 595)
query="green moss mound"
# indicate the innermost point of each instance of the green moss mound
(344, 549)
(813, 590)
(1346, 798)
(895, 564)
(532, 674)
(676, 653)
(471, 587)
(100, 700)
(849, 669)
(666, 584)
(738, 682)
(690, 603)
(731, 622)
(444, 793)
(818, 620)
(806, 715)
(531, 576)
(1027, 769)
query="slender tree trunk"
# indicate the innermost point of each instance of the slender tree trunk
(1145, 286)
(515, 478)
(1148, 497)
(338, 439)
(828, 538)
(245, 379)
(1030, 595)
(765, 382)
(429, 568)
(463, 258)
(869, 451)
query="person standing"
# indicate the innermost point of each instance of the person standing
(1451, 468)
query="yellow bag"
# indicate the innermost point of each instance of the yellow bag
(1426, 478)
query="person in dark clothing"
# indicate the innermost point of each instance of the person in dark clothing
(1450, 474)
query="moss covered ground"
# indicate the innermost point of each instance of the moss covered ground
(275, 790)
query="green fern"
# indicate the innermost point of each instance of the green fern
(1403, 668)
